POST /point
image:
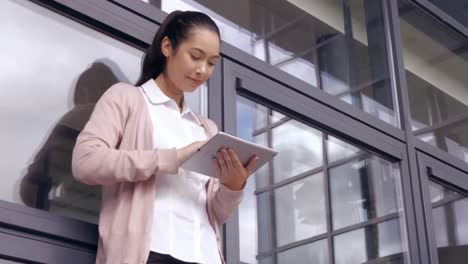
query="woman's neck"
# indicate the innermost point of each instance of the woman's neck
(170, 90)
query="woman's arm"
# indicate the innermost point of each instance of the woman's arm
(232, 176)
(225, 201)
(96, 159)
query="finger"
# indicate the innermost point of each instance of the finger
(235, 159)
(227, 159)
(221, 161)
(217, 168)
(251, 166)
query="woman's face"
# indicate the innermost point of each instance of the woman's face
(194, 60)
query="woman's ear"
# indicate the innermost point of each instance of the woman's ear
(166, 47)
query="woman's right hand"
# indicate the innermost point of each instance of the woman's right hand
(187, 151)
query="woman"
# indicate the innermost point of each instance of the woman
(134, 142)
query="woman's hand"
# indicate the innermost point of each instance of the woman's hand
(187, 151)
(230, 170)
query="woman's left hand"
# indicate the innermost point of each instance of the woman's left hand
(230, 170)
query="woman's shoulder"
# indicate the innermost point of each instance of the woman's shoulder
(122, 88)
(122, 92)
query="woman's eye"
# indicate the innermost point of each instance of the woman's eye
(195, 57)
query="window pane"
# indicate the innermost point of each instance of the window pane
(458, 9)
(300, 210)
(252, 120)
(4, 261)
(450, 218)
(269, 128)
(49, 90)
(315, 252)
(363, 189)
(299, 149)
(339, 150)
(372, 242)
(333, 45)
(436, 60)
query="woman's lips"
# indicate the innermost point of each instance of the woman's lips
(195, 82)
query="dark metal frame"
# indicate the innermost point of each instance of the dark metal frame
(134, 23)
(431, 169)
(241, 81)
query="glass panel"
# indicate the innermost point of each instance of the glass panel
(48, 91)
(300, 210)
(333, 45)
(253, 124)
(450, 218)
(299, 149)
(362, 186)
(458, 9)
(316, 252)
(363, 189)
(339, 150)
(436, 60)
(44, 117)
(252, 120)
(381, 242)
(4, 261)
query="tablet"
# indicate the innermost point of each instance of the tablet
(201, 161)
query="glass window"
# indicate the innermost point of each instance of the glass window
(458, 9)
(333, 45)
(291, 219)
(4, 261)
(436, 60)
(316, 252)
(295, 218)
(54, 71)
(362, 189)
(297, 154)
(450, 219)
(370, 243)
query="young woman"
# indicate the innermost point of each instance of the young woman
(134, 142)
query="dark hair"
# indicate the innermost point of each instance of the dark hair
(176, 27)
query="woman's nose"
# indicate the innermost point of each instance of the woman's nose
(201, 69)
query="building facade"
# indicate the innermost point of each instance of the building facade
(365, 100)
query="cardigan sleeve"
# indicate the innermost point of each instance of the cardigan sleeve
(225, 200)
(96, 157)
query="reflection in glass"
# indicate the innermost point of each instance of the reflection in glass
(274, 214)
(370, 243)
(333, 45)
(54, 93)
(450, 219)
(315, 252)
(299, 149)
(300, 210)
(339, 150)
(4, 261)
(436, 62)
(363, 189)
(251, 118)
(458, 9)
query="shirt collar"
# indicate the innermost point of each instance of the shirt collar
(156, 96)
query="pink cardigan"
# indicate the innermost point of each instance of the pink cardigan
(115, 150)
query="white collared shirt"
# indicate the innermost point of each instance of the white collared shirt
(180, 225)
